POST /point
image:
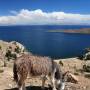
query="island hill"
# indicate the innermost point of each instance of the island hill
(80, 31)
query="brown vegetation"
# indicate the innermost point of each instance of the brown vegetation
(80, 31)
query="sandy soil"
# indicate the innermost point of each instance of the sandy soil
(71, 64)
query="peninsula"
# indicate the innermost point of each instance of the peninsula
(80, 31)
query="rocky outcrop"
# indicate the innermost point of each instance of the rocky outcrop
(72, 78)
(1, 58)
(10, 50)
(18, 45)
(86, 66)
(86, 56)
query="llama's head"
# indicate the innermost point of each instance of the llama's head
(58, 84)
(66, 77)
(58, 79)
(69, 77)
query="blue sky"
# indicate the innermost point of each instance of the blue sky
(70, 6)
(56, 10)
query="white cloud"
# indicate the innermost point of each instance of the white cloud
(38, 17)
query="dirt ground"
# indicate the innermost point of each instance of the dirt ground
(72, 64)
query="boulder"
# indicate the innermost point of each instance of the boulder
(86, 66)
(73, 78)
(69, 77)
(87, 56)
(14, 50)
(18, 45)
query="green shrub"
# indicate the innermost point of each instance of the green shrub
(9, 55)
(86, 68)
(61, 63)
(87, 75)
(14, 56)
(1, 70)
(88, 57)
(0, 47)
(17, 49)
(76, 73)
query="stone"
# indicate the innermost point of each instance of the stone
(72, 78)
(86, 66)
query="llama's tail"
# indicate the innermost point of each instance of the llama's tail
(15, 76)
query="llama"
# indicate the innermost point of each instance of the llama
(32, 65)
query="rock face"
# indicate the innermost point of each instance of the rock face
(87, 56)
(69, 77)
(10, 50)
(17, 48)
(72, 78)
(86, 66)
(17, 44)
(1, 58)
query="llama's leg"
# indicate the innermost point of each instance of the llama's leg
(20, 88)
(50, 80)
(24, 88)
(43, 81)
(21, 82)
(53, 80)
(21, 85)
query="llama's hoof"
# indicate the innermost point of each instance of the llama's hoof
(43, 88)
(49, 85)
(54, 89)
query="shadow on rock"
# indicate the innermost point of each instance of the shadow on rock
(31, 88)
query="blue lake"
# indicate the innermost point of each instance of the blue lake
(39, 41)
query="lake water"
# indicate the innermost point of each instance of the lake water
(39, 41)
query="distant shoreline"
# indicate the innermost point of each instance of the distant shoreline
(78, 31)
